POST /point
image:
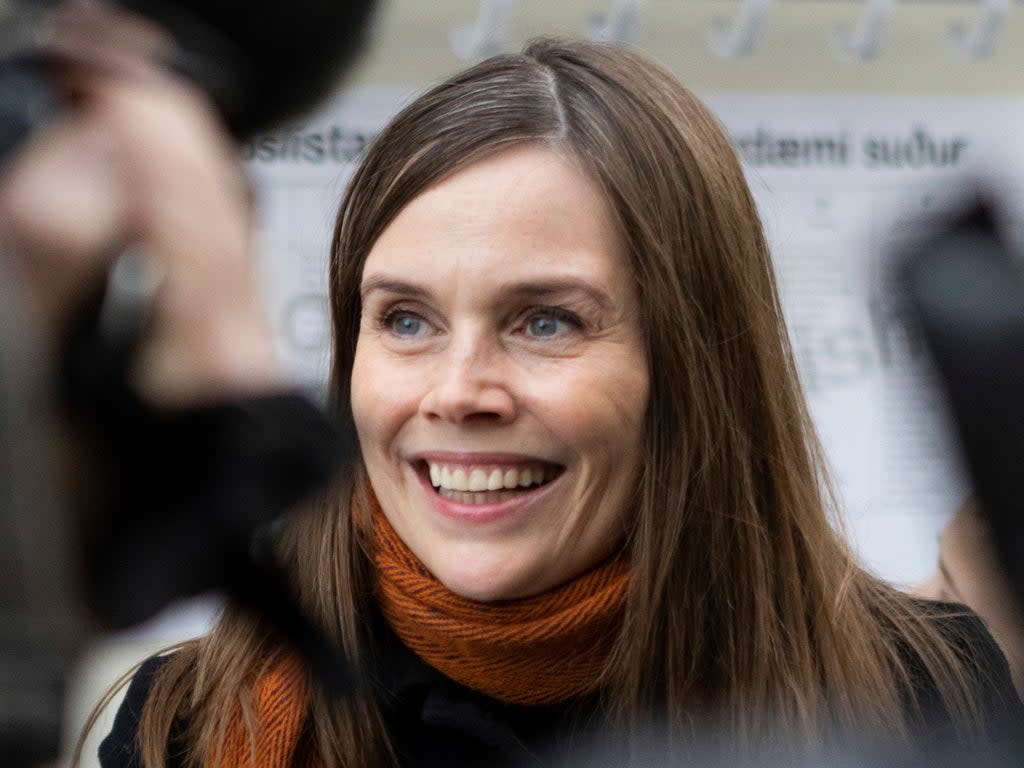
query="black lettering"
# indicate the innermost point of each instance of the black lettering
(831, 357)
(335, 145)
(919, 150)
(743, 145)
(267, 148)
(345, 147)
(764, 148)
(292, 146)
(871, 159)
(313, 148)
(821, 151)
(789, 151)
(958, 145)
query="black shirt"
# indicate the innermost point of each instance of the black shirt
(434, 721)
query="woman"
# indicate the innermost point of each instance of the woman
(590, 492)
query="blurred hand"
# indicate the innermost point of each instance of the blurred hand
(141, 159)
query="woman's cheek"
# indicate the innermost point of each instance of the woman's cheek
(594, 405)
(385, 391)
(366, 395)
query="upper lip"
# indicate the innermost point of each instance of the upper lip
(472, 459)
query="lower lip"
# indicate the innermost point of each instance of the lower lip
(483, 513)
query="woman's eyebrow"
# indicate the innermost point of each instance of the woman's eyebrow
(532, 290)
(387, 284)
(540, 290)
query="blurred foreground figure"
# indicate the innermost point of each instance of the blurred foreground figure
(589, 503)
(967, 290)
(969, 572)
(146, 432)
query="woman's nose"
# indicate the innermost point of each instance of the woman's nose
(469, 385)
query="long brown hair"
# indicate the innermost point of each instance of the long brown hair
(744, 602)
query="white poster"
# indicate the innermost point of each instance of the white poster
(839, 181)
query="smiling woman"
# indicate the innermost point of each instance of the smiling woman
(589, 493)
(500, 345)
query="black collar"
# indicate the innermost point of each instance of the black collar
(430, 712)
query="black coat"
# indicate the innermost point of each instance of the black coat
(434, 721)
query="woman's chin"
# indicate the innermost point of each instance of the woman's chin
(484, 585)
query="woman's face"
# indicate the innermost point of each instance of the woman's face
(500, 379)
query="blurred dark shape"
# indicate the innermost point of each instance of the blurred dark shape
(967, 292)
(26, 98)
(174, 496)
(182, 501)
(155, 504)
(164, 503)
(707, 749)
(40, 623)
(260, 63)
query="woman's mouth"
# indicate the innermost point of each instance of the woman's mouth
(487, 484)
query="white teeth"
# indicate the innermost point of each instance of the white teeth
(476, 480)
(464, 497)
(495, 480)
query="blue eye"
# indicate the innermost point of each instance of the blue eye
(404, 323)
(543, 326)
(551, 323)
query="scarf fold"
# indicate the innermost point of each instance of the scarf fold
(538, 650)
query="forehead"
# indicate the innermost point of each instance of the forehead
(528, 212)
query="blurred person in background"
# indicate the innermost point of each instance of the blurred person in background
(138, 156)
(141, 159)
(589, 499)
(144, 145)
(968, 572)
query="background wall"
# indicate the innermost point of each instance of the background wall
(846, 159)
(793, 51)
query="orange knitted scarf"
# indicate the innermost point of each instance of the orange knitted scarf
(279, 705)
(540, 650)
